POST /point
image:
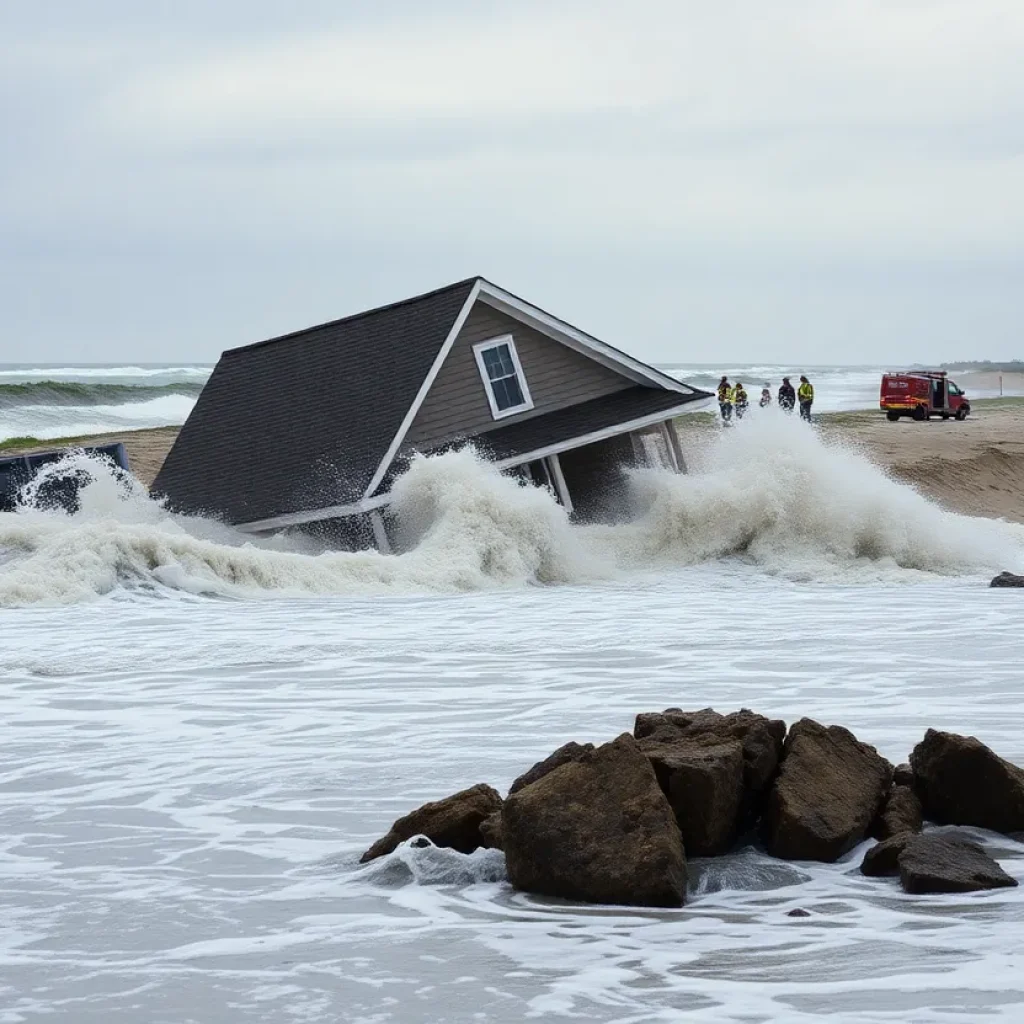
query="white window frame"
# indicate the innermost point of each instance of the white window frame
(478, 352)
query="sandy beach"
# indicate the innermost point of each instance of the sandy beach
(975, 467)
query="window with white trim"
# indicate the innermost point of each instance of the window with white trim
(503, 377)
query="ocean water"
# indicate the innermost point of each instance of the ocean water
(202, 734)
(69, 401)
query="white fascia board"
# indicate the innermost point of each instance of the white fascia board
(424, 390)
(314, 515)
(557, 329)
(597, 435)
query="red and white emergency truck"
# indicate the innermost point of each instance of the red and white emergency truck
(922, 394)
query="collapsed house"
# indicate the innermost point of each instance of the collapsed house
(310, 430)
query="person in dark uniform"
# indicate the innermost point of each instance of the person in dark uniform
(787, 395)
(725, 399)
(740, 400)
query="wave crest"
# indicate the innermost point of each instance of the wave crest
(770, 494)
(64, 393)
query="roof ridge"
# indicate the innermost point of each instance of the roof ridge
(466, 282)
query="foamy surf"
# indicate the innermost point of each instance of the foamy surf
(768, 493)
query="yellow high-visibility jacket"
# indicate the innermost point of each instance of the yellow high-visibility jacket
(806, 393)
(724, 393)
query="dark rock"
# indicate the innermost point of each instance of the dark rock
(903, 776)
(949, 863)
(564, 754)
(715, 770)
(901, 813)
(798, 913)
(762, 738)
(598, 830)
(1007, 579)
(962, 782)
(883, 858)
(827, 794)
(649, 723)
(490, 832)
(453, 822)
(703, 780)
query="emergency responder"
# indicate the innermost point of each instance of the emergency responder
(739, 400)
(787, 396)
(805, 393)
(725, 399)
(766, 396)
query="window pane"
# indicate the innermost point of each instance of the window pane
(507, 393)
(494, 363)
(498, 362)
(507, 366)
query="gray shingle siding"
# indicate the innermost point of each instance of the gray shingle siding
(518, 437)
(556, 375)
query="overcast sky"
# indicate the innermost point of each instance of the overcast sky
(800, 180)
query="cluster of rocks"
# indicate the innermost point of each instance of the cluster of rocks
(614, 823)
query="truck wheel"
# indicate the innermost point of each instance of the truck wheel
(920, 413)
(961, 413)
(892, 415)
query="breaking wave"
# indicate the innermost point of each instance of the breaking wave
(55, 421)
(64, 392)
(90, 371)
(772, 495)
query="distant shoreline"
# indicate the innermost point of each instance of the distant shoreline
(984, 366)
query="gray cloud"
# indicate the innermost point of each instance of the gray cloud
(822, 182)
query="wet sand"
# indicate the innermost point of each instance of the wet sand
(146, 449)
(975, 467)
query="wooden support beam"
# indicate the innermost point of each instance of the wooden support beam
(668, 428)
(380, 533)
(558, 479)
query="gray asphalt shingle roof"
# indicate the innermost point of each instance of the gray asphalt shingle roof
(302, 421)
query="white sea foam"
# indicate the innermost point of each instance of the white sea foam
(187, 785)
(772, 495)
(45, 421)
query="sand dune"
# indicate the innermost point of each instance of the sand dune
(975, 467)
